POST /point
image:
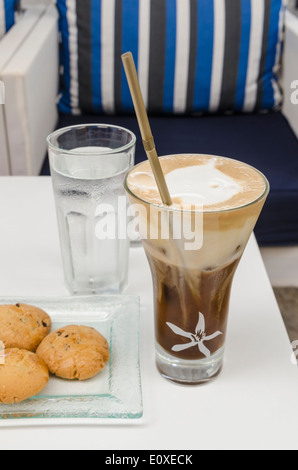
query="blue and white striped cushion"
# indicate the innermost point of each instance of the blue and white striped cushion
(191, 55)
(7, 12)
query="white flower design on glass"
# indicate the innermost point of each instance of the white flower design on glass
(197, 339)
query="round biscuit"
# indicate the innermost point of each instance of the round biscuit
(22, 375)
(74, 352)
(23, 326)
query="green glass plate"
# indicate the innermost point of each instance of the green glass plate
(116, 392)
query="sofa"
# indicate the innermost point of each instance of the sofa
(267, 139)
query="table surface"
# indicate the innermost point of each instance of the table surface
(253, 404)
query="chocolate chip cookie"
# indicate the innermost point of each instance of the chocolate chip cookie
(23, 326)
(74, 352)
(22, 375)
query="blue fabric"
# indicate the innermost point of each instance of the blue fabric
(244, 53)
(268, 95)
(264, 141)
(130, 34)
(126, 34)
(65, 56)
(205, 53)
(170, 56)
(9, 8)
(96, 56)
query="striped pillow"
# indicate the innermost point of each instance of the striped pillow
(191, 55)
(7, 12)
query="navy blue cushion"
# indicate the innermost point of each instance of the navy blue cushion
(264, 141)
(195, 55)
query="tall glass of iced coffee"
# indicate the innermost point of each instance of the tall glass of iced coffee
(194, 248)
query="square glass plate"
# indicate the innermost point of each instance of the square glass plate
(116, 391)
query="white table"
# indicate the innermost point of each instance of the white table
(254, 402)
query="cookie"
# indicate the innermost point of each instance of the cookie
(23, 326)
(22, 375)
(74, 352)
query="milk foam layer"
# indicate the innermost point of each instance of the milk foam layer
(226, 231)
(216, 183)
(202, 184)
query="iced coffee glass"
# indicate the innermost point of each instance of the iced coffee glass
(194, 248)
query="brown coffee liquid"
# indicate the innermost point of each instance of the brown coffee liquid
(177, 304)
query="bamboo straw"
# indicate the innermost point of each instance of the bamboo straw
(149, 146)
(148, 140)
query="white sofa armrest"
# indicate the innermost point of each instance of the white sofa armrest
(290, 73)
(9, 45)
(31, 85)
(4, 154)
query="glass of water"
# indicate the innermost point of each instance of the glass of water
(88, 166)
